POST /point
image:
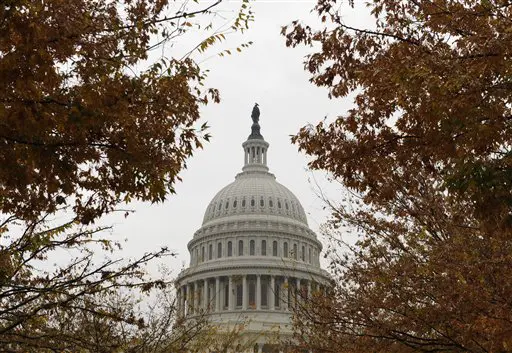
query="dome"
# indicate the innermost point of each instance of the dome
(255, 193)
(253, 255)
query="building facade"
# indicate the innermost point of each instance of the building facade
(253, 254)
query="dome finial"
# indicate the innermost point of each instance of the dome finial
(255, 128)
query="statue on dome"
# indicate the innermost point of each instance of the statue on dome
(255, 115)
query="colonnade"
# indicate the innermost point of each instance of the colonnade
(243, 292)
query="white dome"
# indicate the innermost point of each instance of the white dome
(255, 193)
(253, 253)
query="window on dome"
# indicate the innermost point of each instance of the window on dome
(285, 249)
(234, 204)
(227, 205)
(226, 296)
(274, 248)
(286, 205)
(303, 254)
(264, 248)
(277, 294)
(264, 292)
(230, 248)
(239, 294)
(219, 250)
(309, 255)
(270, 203)
(243, 202)
(220, 205)
(240, 248)
(202, 254)
(262, 203)
(252, 248)
(210, 251)
(252, 294)
(278, 204)
(295, 255)
(253, 202)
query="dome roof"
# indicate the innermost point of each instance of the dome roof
(255, 193)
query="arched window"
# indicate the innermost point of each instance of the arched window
(253, 202)
(240, 248)
(234, 204)
(285, 249)
(295, 255)
(220, 205)
(309, 255)
(303, 253)
(219, 250)
(230, 248)
(243, 202)
(202, 254)
(210, 251)
(264, 248)
(252, 248)
(262, 203)
(278, 203)
(274, 248)
(270, 203)
(227, 205)
(286, 205)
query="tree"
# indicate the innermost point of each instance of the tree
(425, 155)
(89, 121)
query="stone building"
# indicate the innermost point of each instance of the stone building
(253, 253)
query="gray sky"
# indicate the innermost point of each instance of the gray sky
(267, 73)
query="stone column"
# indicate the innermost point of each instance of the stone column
(217, 294)
(309, 289)
(272, 293)
(230, 292)
(182, 301)
(258, 292)
(178, 301)
(286, 294)
(245, 298)
(206, 302)
(190, 298)
(298, 294)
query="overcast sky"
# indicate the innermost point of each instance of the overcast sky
(267, 73)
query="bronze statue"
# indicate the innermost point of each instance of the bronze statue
(255, 115)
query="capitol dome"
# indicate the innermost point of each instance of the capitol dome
(253, 254)
(255, 193)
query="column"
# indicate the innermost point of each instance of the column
(258, 292)
(245, 298)
(286, 294)
(178, 301)
(206, 302)
(309, 290)
(230, 294)
(298, 295)
(190, 298)
(217, 294)
(272, 292)
(183, 298)
(260, 347)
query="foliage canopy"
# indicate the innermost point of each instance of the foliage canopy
(426, 157)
